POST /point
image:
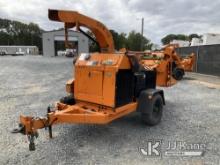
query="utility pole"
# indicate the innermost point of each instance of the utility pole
(142, 33)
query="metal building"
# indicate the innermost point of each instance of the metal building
(53, 41)
(16, 49)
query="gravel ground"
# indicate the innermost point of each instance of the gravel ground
(29, 83)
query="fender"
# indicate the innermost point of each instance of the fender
(145, 99)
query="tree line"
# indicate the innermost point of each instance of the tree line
(170, 37)
(18, 33)
(133, 41)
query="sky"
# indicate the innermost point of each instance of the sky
(161, 17)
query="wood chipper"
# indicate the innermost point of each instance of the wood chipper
(106, 85)
(180, 65)
(161, 63)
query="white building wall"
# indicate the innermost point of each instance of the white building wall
(181, 43)
(207, 39)
(210, 39)
(12, 49)
(196, 42)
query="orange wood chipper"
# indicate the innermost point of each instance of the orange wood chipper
(180, 65)
(106, 85)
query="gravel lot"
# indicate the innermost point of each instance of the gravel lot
(29, 83)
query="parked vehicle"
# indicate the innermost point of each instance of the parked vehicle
(70, 53)
(3, 52)
(61, 53)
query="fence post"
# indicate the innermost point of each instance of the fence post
(197, 57)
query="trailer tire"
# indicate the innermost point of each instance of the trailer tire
(69, 100)
(155, 111)
(178, 73)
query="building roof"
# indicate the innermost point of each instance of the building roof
(60, 30)
(17, 46)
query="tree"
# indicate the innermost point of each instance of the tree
(4, 38)
(17, 33)
(170, 37)
(93, 47)
(182, 37)
(119, 39)
(122, 40)
(134, 41)
(191, 36)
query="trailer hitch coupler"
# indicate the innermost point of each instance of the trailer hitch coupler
(19, 129)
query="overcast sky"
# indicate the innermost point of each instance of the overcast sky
(162, 17)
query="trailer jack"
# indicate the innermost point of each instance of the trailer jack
(31, 137)
(29, 126)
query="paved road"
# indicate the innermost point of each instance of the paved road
(28, 84)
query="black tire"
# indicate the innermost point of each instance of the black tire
(69, 100)
(178, 73)
(155, 111)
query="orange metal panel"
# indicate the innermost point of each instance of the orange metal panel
(124, 62)
(96, 83)
(88, 85)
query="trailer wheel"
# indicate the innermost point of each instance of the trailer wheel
(155, 111)
(178, 73)
(69, 100)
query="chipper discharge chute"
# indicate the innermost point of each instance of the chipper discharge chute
(106, 86)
